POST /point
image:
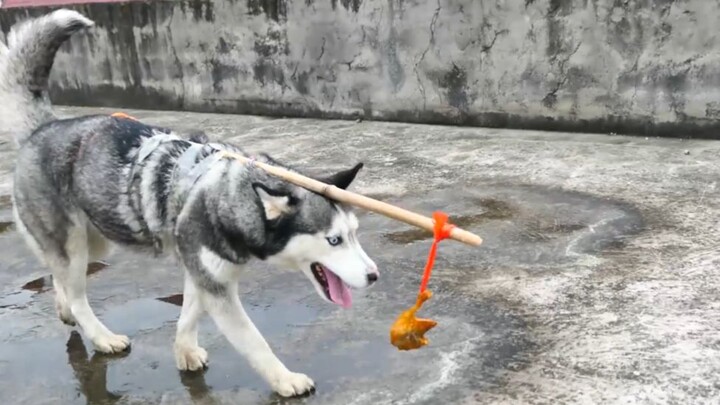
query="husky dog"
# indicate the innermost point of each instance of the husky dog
(83, 184)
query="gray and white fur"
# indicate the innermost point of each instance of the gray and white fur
(84, 184)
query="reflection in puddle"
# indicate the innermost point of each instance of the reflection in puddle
(197, 387)
(6, 226)
(91, 373)
(175, 299)
(39, 285)
(95, 267)
(492, 210)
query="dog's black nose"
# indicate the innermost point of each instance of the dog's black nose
(372, 277)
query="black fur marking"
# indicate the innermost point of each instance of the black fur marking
(292, 200)
(198, 137)
(279, 231)
(161, 187)
(204, 153)
(344, 178)
(127, 135)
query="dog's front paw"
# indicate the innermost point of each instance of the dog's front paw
(293, 384)
(110, 343)
(190, 358)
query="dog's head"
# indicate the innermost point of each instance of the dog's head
(318, 236)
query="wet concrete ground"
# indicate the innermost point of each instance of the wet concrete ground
(597, 281)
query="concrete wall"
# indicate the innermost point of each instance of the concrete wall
(626, 66)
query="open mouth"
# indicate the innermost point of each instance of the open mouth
(334, 288)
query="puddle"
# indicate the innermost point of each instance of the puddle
(536, 231)
(530, 227)
(292, 315)
(140, 315)
(346, 352)
(493, 209)
(17, 299)
(23, 297)
(6, 226)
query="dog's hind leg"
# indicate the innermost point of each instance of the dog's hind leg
(229, 315)
(61, 305)
(75, 281)
(61, 242)
(188, 355)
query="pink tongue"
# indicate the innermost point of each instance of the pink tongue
(339, 292)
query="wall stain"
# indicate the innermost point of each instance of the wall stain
(353, 5)
(395, 69)
(455, 82)
(558, 10)
(276, 10)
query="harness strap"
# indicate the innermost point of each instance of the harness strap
(188, 176)
(145, 150)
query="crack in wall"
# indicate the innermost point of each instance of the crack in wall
(431, 42)
(487, 48)
(322, 48)
(550, 98)
(351, 61)
(637, 80)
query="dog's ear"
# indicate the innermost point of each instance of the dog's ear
(274, 202)
(344, 178)
(198, 136)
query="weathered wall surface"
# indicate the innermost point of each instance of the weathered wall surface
(629, 66)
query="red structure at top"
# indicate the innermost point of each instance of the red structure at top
(38, 3)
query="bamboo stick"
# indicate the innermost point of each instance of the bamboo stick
(358, 200)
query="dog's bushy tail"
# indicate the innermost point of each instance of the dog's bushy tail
(25, 64)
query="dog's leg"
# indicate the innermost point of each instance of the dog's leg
(61, 304)
(230, 317)
(59, 272)
(75, 289)
(188, 355)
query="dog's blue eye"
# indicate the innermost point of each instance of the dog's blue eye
(334, 240)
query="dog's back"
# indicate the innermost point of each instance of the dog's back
(83, 170)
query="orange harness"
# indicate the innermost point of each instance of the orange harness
(122, 115)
